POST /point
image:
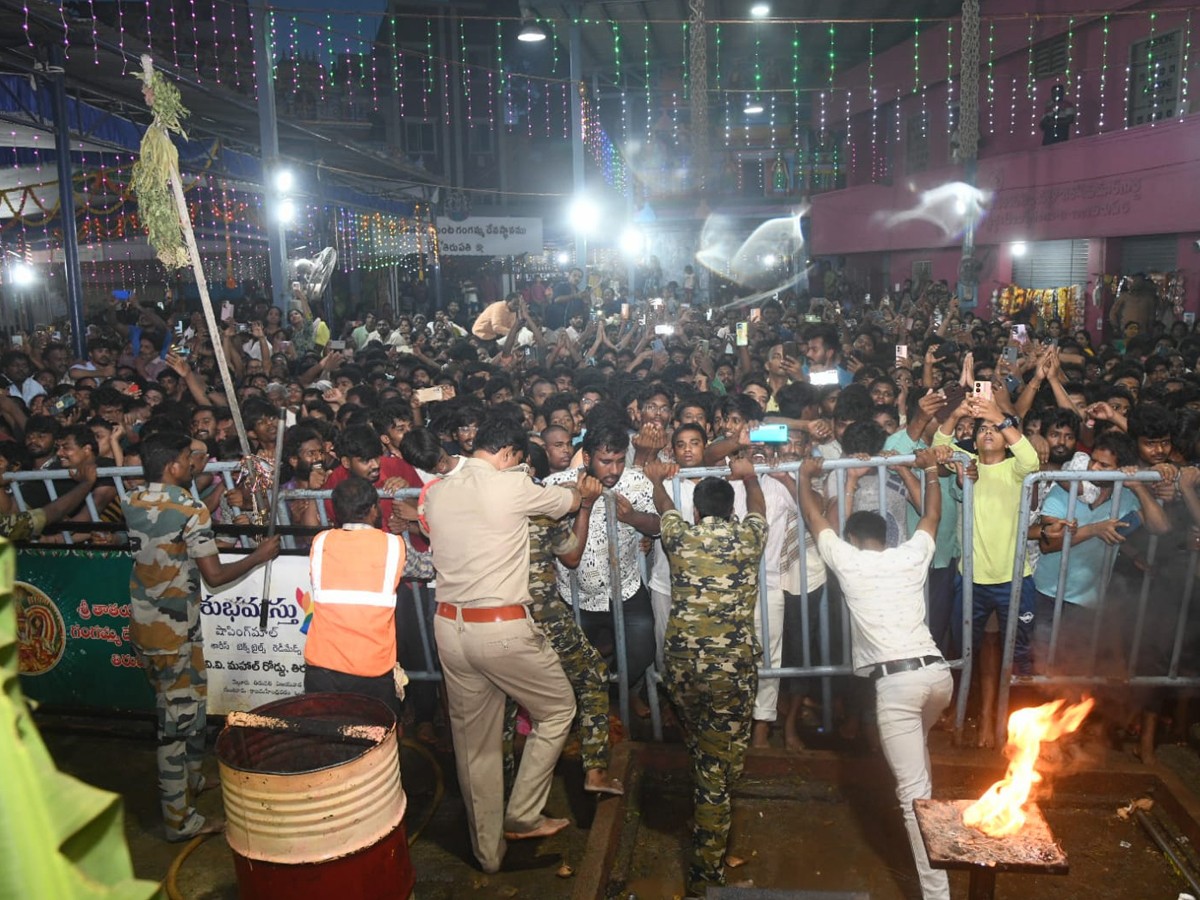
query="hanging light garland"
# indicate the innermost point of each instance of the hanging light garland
(796, 85)
(646, 68)
(1103, 73)
(1031, 81)
(1152, 70)
(991, 77)
(918, 82)
(1183, 72)
(950, 122)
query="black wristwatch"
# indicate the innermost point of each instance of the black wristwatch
(1010, 421)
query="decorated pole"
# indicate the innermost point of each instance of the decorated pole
(163, 210)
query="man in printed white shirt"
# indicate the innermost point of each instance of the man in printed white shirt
(604, 448)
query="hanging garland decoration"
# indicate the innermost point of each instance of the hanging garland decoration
(1031, 82)
(157, 159)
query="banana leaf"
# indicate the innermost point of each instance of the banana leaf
(59, 837)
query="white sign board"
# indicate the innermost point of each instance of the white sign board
(248, 667)
(494, 236)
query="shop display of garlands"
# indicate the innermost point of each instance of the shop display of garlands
(1064, 304)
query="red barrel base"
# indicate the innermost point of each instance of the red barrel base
(382, 871)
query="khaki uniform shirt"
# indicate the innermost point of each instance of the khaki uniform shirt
(478, 523)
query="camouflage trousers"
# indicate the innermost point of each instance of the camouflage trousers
(714, 698)
(180, 685)
(588, 674)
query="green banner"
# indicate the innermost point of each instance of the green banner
(73, 627)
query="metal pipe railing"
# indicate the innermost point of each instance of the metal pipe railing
(1007, 678)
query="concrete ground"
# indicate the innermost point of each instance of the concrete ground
(120, 757)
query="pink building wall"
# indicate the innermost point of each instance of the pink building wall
(1107, 181)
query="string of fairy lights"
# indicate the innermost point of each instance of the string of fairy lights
(813, 115)
(339, 60)
(230, 222)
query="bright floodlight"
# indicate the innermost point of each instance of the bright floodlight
(284, 180)
(583, 215)
(753, 108)
(769, 260)
(285, 212)
(1018, 248)
(632, 241)
(22, 275)
(531, 32)
(760, 10)
(563, 257)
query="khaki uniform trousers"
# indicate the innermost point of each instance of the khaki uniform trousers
(482, 663)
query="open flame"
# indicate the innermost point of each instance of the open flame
(998, 812)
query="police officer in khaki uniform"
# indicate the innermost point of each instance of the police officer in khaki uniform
(489, 646)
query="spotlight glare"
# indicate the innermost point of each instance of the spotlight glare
(760, 10)
(769, 260)
(563, 257)
(285, 212)
(1018, 248)
(583, 215)
(284, 180)
(22, 274)
(632, 241)
(753, 108)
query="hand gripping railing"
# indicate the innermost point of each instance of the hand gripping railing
(118, 474)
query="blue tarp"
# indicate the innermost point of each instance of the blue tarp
(18, 99)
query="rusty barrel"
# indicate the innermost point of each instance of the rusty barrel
(312, 817)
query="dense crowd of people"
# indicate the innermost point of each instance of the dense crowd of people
(602, 394)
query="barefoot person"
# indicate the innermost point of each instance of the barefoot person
(710, 651)
(489, 646)
(885, 593)
(176, 547)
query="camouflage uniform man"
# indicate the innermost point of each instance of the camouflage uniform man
(584, 667)
(710, 651)
(173, 534)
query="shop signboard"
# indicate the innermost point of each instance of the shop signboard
(490, 236)
(73, 625)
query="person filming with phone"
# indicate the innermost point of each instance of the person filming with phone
(824, 356)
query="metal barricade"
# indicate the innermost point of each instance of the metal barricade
(826, 667)
(118, 474)
(1089, 676)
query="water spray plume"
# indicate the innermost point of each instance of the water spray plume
(999, 811)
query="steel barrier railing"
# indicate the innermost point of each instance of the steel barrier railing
(819, 659)
(118, 474)
(1089, 677)
(826, 669)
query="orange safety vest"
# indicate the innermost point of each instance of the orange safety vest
(355, 573)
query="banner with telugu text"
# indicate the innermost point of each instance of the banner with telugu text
(490, 236)
(73, 628)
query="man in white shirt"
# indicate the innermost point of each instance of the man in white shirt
(885, 593)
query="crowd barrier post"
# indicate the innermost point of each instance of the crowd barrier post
(617, 602)
(966, 660)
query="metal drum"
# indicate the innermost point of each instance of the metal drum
(312, 816)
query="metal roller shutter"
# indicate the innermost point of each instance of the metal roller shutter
(1151, 253)
(1052, 264)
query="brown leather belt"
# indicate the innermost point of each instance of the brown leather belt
(483, 613)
